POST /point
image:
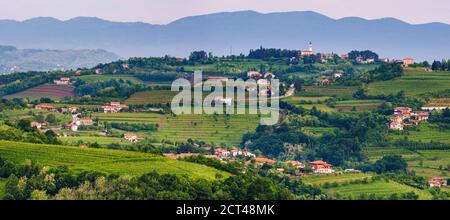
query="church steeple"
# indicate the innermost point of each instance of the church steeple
(311, 46)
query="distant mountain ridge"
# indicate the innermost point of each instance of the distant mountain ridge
(233, 32)
(23, 60)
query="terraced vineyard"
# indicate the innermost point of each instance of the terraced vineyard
(414, 82)
(73, 140)
(378, 188)
(151, 97)
(209, 128)
(359, 105)
(108, 161)
(322, 179)
(45, 91)
(101, 78)
(426, 133)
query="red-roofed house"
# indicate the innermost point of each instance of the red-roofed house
(437, 182)
(295, 163)
(322, 167)
(408, 61)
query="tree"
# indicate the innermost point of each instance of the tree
(198, 56)
(25, 125)
(51, 119)
(393, 163)
(298, 84)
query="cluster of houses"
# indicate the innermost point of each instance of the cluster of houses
(113, 107)
(405, 116)
(51, 108)
(263, 81)
(77, 122)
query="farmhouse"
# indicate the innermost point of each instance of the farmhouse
(421, 116)
(254, 74)
(403, 112)
(264, 160)
(321, 167)
(269, 74)
(407, 62)
(114, 107)
(72, 126)
(62, 81)
(132, 137)
(344, 56)
(325, 81)
(248, 154)
(84, 122)
(46, 107)
(263, 82)
(396, 123)
(222, 153)
(73, 109)
(37, 125)
(98, 71)
(125, 65)
(337, 75)
(297, 164)
(437, 182)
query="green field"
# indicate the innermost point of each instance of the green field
(297, 99)
(320, 107)
(18, 114)
(426, 132)
(359, 105)
(101, 78)
(414, 82)
(151, 97)
(338, 178)
(317, 131)
(378, 188)
(335, 91)
(108, 161)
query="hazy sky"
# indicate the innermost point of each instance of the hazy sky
(165, 11)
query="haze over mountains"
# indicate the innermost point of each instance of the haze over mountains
(23, 60)
(234, 32)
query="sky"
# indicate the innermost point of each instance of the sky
(166, 11)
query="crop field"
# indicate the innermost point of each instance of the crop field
(320, 107)
(101, 78)
(426, 133)
(210, 128)
(336, 91)
(107, 161)
(45, 91)
(151, 97)
(338, 178)
(73, 140)
(378, 188)
(359, 105)
(439, 102)
(375, 153)
(296, 99)
(414, 82)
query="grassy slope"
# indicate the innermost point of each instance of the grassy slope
(426, 133)
(321, 179)
(108, 161)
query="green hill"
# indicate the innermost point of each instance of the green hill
(108, 161)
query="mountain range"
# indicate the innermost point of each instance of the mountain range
(233, 32)
(23, 60)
